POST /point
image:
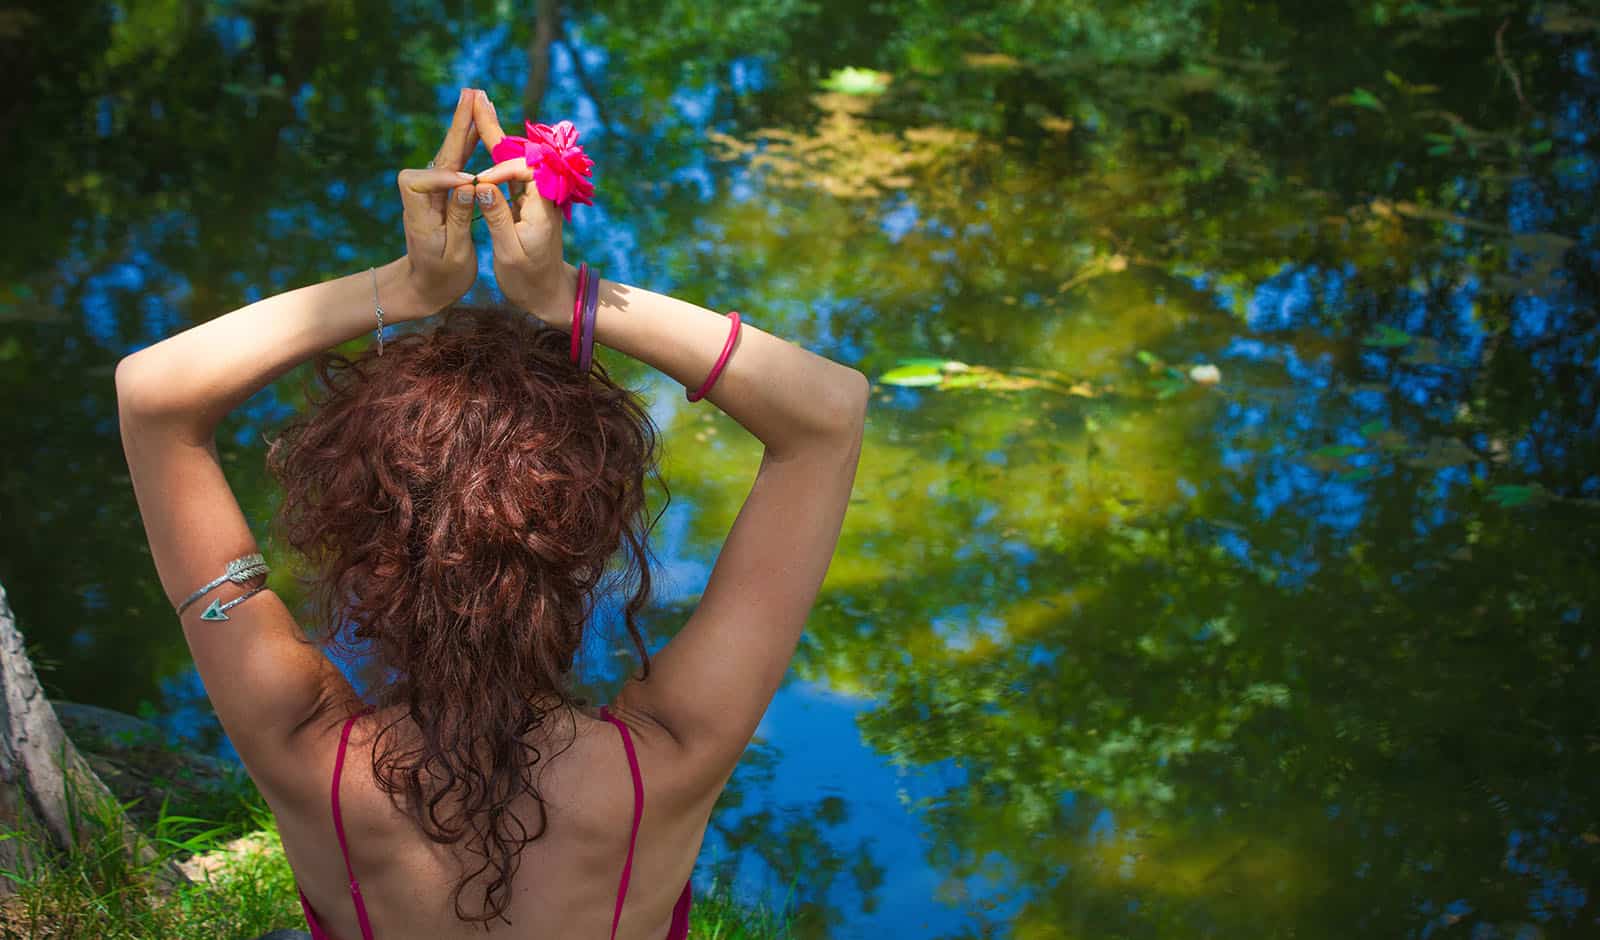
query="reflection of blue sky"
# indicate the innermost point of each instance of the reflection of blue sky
(961, 629)
(821, 754)
(900, 219)
(156, 291)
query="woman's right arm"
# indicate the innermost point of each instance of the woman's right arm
(712, 683)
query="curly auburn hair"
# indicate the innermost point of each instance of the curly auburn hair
(458, 501)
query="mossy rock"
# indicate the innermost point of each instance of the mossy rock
(138, 763)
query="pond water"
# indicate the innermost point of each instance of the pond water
(1223, 554)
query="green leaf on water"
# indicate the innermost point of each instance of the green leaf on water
(967, 380)
(1512, 495)
(1387, 337)
(1374, 428)
(1336, 450)
(1166, 388)
(1148, 358)
(1362, 98)
(854, 81)
(914, 375)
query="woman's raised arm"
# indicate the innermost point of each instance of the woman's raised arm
(265, 682)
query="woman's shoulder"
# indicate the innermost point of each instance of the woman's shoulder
(674, 775)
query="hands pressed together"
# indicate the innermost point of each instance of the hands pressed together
(524, 229)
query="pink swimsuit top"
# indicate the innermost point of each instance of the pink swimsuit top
(680, 913)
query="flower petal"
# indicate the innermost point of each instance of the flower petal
(542, 133)
(565, 135)
(552, 184)
(577, 162)
(509, 149)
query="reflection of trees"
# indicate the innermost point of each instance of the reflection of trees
(1309, 676)
(174, 152)
(1290, 721)
(794, 843)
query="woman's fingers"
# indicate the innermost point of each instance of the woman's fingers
(487, 121)
(432, 181)
(510, 171)
(422, 193)
(516, 173)
(461, 138)
(502, 228)
(458, 223)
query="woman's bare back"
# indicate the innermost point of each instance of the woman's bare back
(566, 885)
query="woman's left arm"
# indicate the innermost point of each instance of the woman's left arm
(264, 680)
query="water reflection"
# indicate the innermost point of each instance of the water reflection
(1106, 650)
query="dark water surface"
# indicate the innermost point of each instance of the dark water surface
(1222, 564)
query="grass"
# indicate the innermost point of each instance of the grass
(716, 915)
(242, 888)
(99, 890)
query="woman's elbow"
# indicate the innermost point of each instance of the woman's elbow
(141, 393)
(845, 409)
(129, 382)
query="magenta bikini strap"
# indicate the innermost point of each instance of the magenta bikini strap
(638, 812)
(338, 828)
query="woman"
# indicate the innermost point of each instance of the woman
(460, 495)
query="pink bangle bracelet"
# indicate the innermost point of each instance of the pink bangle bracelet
(722, 360)
(577, 309)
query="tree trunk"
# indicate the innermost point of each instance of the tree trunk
(47, 788)
(548, 17)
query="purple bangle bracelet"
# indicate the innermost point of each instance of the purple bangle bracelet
(591, 306)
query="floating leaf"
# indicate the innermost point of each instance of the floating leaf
(1336, 450)
(1387, 337)
(1373, 428)
(1362, 98)
(854, 81)
(914, 375)
(1166, 388)
(1512, 495)
(969, 380)
(948, 374)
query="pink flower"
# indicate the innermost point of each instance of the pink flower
(561, 170)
